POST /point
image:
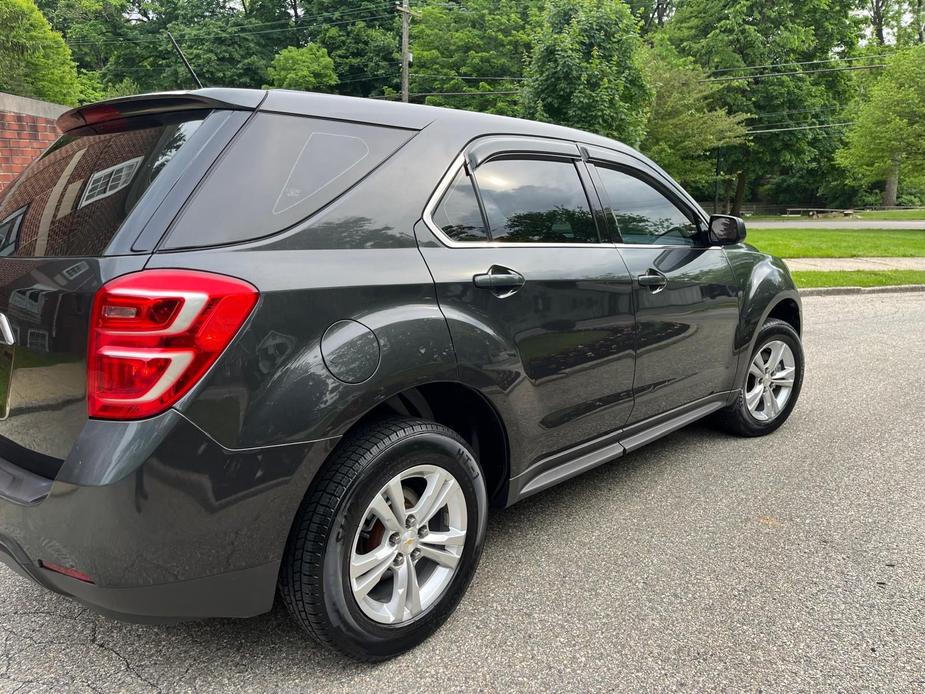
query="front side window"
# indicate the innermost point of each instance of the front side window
(535, 201)
(644, 215)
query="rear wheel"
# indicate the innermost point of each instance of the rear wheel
(387, 540)
(771, 385)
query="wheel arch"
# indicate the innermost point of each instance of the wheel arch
(768, 292)
(464, 410)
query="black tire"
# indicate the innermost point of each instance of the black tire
(737, 419)
(314, 580)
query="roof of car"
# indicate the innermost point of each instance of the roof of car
(367, 110)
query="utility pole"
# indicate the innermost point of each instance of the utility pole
(406, 14)
(405, 10)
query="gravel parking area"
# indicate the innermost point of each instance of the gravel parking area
(703, 562)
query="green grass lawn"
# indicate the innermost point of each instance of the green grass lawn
(839, 243)
(878, 214)
(858, 278)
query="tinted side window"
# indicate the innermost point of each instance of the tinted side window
(535, 201)
(642, 213)
(281, 170)
(458, 214)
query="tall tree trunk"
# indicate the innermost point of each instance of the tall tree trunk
(892, 186)
(740, 193)
(919, 21)
(876, 18)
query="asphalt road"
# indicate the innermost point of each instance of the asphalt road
(703, 562)
(807, 223)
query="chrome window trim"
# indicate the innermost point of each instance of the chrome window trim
(445, 182)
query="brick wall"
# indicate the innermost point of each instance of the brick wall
(27, 127)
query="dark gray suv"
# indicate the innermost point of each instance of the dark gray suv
(255, 341)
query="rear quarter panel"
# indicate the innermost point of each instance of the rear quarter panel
(355, 260)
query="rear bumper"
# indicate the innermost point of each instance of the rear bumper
(242, 593)
(180, 528)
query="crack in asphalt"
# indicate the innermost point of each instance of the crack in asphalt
(94, 639)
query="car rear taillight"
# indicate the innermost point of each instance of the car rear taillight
(153, 334)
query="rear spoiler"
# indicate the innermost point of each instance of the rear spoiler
(160, 102)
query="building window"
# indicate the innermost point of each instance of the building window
(75, 270)
(37, 340)
(9, 231)
(108, 181)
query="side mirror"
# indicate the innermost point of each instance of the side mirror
(726, 230)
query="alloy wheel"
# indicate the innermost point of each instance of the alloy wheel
(409, 543)
(770, 380)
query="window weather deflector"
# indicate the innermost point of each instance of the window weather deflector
(486, 148)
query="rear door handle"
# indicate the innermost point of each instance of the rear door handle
(654, 280)
(502, 281)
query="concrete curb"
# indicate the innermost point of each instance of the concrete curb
(842, 291)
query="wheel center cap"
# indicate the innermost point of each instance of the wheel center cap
(409, 540)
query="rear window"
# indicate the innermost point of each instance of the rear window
(73, 199)
(281, 170)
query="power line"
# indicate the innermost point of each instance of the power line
(468, 77)
(802, 110)
(801, 127)
(233, 31)
(805, 62)
(485, 93)
(787, 74)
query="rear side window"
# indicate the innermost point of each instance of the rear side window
(535, 201)
(281, 170)
(458, 213)
(73, 199)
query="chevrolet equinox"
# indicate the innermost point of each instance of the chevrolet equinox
(256, 342)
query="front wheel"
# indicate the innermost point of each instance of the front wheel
(387, 540)
(771, 385)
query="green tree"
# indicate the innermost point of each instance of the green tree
(888, 134)
(228, 43)
(88, 26)
(684, 130)
(787, 98)
(309, 68)
(478, 50)
(92, 87)
(362, 37)
(583, 71)
(34, 60)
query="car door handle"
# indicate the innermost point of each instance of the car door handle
(654, 280)
(502, 281)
